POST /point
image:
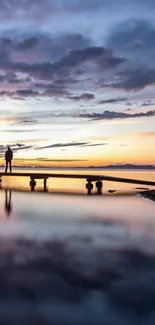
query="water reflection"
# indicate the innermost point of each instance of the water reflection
(8, 206)
(84, 260)
(94, 285)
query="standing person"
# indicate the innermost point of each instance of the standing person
(8, 159)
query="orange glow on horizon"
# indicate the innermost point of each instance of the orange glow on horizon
(102, 161)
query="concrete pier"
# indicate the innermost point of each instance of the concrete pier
(90, 179)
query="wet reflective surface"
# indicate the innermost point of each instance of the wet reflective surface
(73, 259)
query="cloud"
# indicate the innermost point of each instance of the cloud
(27, 57)
(60, 160)
(147, 103)
(65, 50)
(84, 96)
(26, 93)
(62, 145)
(74, 58)
(133, 79)
(111, 115)
(65, 65)
(112, 100)
(134, 37)
(28, 43)
(41, 46)
(30, 121)
(55, 90)
(19, 94)
(72, 144)
(15, 147)
(138, 79)
(95, 145)
(44, 47)
(13, 78)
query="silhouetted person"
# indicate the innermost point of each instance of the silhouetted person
(8, 207)
(8, 159)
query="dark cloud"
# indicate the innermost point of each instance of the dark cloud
(39, 90)
(94, 145)
(26, 93)
(134, 37)
(28, 43)
(62, 145)
(30, 121)
(13, 78)
(111, 115)
(133, 79)
(112, 100)
(59, 160)
(147, 103)
(67, 42)
(74, 58)
(15, 147)
(68, 62)
(55, 90)
(47, 58)
(109, 62)
(66, 50)
(6, 41)
(72, 144)
(19, 94)
(23, 148)
(42, 46)
(5, 93)
(138, 79)
(84, 96)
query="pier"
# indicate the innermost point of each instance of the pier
(91, 180)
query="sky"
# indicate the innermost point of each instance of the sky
(77, 81)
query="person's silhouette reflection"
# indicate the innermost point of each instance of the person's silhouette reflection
(8, 207)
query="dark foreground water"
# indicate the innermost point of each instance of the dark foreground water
(73, 259)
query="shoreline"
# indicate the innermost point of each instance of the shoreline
(150, 195)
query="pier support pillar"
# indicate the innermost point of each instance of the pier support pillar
(45, 184)
(99, 186)
(89, 187)
(32, 184)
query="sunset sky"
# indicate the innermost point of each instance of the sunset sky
(77, 81)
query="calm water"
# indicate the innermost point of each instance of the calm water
(73, 259)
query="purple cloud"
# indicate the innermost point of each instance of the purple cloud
(111, 115)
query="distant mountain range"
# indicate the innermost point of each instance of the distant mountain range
(114, 166)
(125, 166)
